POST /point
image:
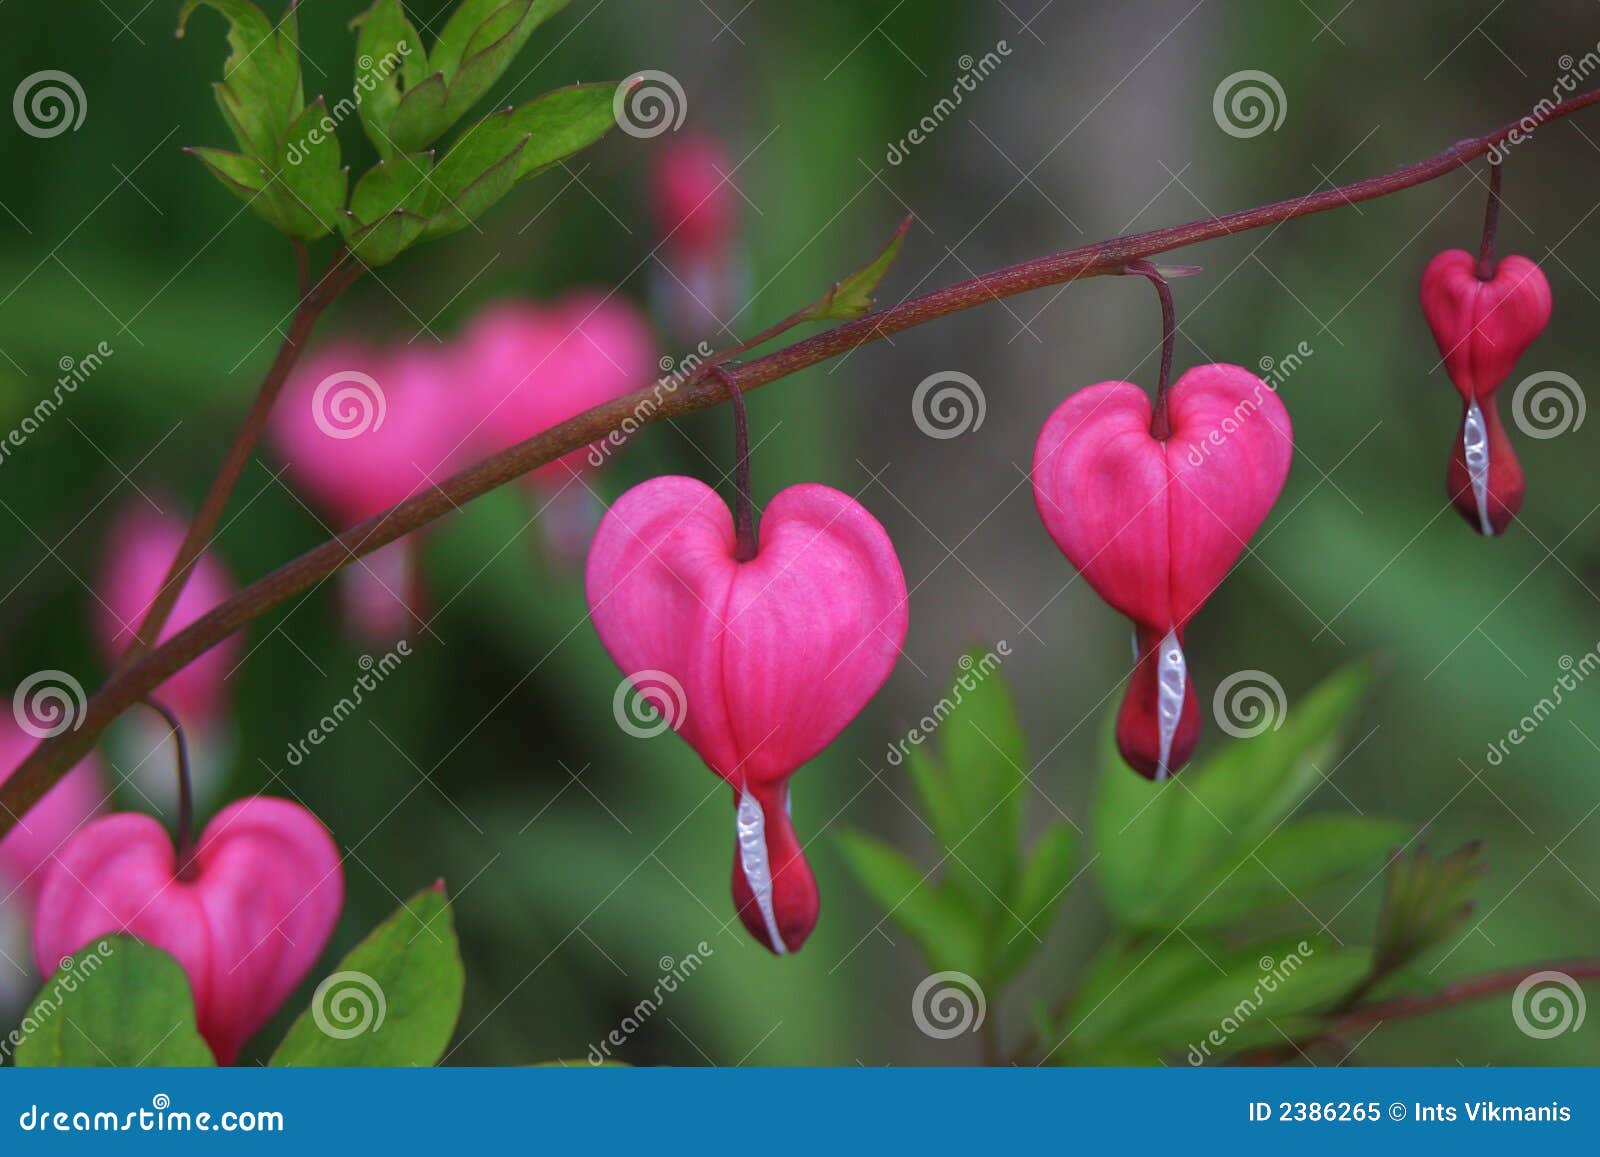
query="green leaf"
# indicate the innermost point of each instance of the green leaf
(984, 761)
(389, 52)
(241, 175)
(1040, 889)
(477, 45)
(939, 919)
(259, 93)
(313, 179)
(1425, 902)
(1161, 845)
(512, 146)
(852, 297)
(1185, 994)
(385, 209)
(117, 1002)
(1292, 861)
(393, 1000)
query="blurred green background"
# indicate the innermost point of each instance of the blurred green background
(582, 858)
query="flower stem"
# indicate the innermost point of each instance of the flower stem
(1491, 224)
(314, 298)
(186, 843)
(1160, 426)
(745, 516)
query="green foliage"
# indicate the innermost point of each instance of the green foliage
(116, 1002)
(988, 912)
(393, 1000)
(852, 297)
(1425, 902)
(289, 171)
(1205, 847)
(1187, 868)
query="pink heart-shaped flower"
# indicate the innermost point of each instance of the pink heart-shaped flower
(757, 664)
(254, 913)
(1155, 525)
(1481, 328)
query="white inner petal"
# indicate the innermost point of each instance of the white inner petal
(751, 825)
(1172, 673)
(1475, 447)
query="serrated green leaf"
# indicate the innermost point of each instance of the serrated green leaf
(116, 1002)
(1041, 887)
(477, 45)
(259, 93)
(394, 1000)
(389, 53)
(312, 176)
(241, 175)
(385, 208)
(514, 145)
(1160, 844)
(939, 919)
(852, 297)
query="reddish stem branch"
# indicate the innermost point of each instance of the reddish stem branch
(49, 761)
(1160, 427)
(203, 527)
(1459, 992)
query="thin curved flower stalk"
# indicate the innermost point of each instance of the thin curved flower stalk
(50, 760)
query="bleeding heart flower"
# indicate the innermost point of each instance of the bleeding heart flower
(361, 431)
(770, 658)
(72, 802)
(696, 211)
(1155, 525)
(140, 548)
(1482, 326)
(247, 917)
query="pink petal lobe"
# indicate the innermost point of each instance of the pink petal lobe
(1229, 456)
(1100, 484)
(26, 852)
(1483, 327)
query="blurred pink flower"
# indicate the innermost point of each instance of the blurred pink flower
(531, 367)
(140, 549)
(360, 431)
(701, 274)
(77, 798)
